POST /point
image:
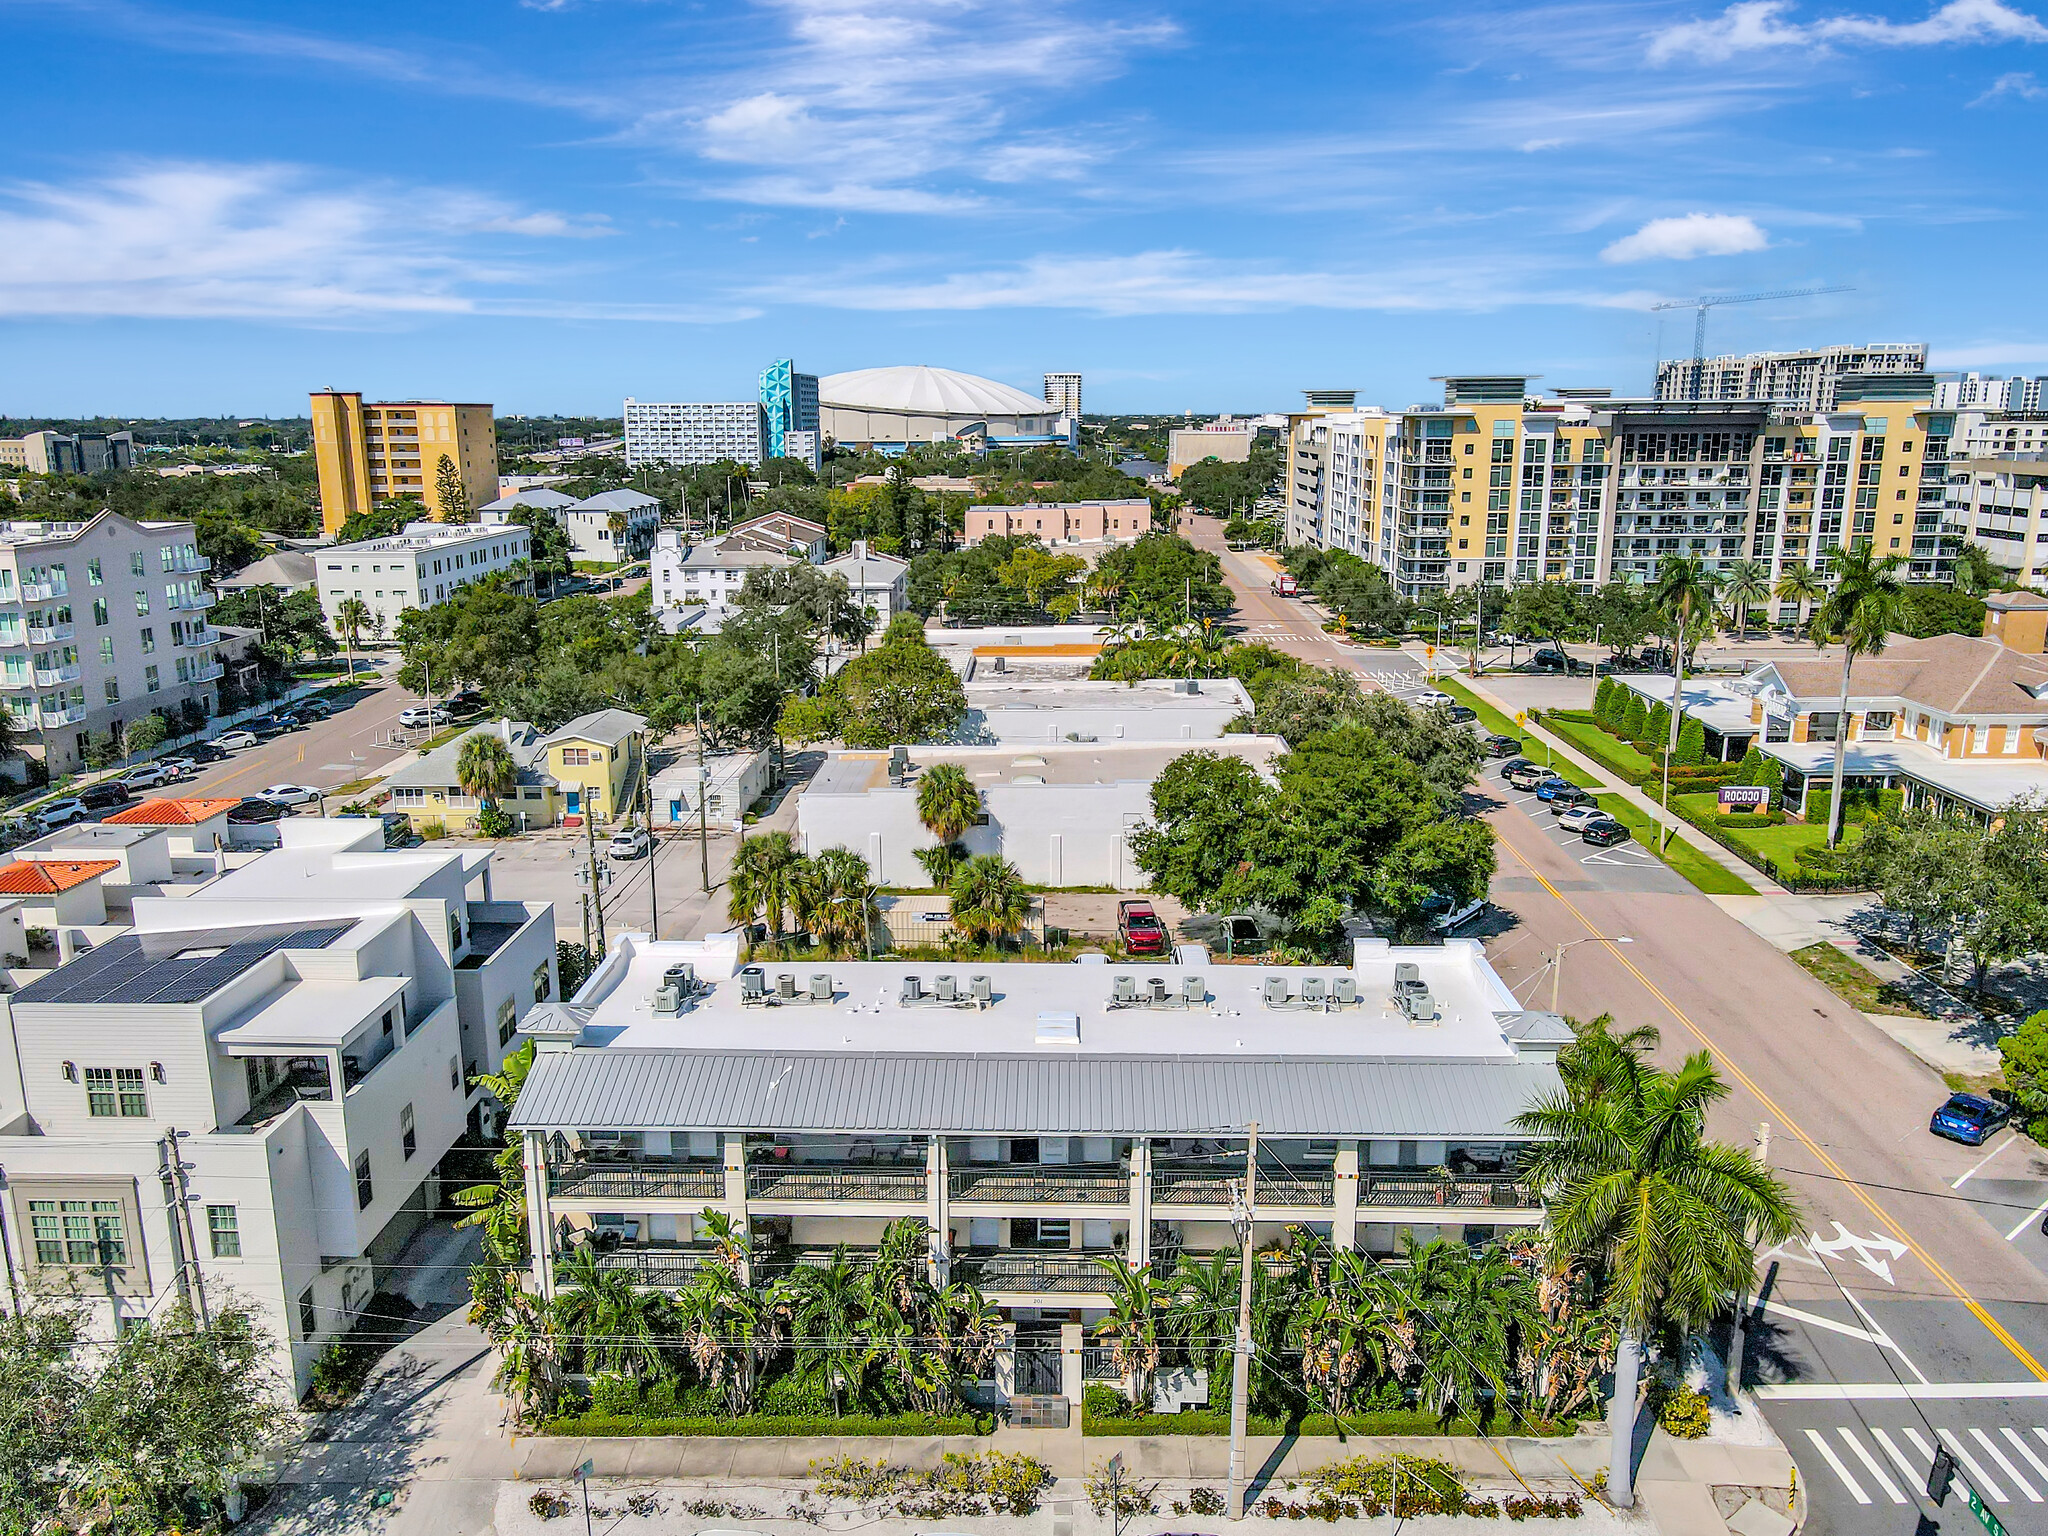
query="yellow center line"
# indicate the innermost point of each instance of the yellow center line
(1778, 1113)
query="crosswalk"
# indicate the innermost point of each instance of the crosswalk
(1877, 1463)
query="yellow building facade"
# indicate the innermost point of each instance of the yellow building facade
(370, 453)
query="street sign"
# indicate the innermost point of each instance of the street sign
(1521, 717)
(588, 1469)
(1985, 1517)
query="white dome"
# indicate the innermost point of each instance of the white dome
(915, 389)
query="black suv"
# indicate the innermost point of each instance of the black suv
(1601, 834)
(104, 796)
(1501, 746)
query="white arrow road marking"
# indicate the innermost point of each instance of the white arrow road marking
(1795, 1252)
(1870, 1461)
(1866, 1250)
(1828, 1455)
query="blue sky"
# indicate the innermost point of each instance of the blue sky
(553, 204)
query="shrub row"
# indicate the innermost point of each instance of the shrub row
(761, 1425)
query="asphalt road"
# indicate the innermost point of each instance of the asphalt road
(333, 751)
(1903, 1306)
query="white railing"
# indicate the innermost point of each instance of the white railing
(39, 635)
(50, 677)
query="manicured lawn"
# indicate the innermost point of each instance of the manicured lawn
(1612, 753)
(1782, 845)
(1491, 718)
(1700, 868)
(1841, 975)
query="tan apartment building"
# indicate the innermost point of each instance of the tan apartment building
(374, 452)
(1066, 522)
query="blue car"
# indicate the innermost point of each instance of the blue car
(1549, 789)
(1968, 1118)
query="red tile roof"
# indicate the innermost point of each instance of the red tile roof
(23, 878)
(171, 813)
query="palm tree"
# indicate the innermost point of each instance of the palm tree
(1474, 1309)
(836, 900)
(1799, 584)
(1974, 571)
(612, 1324)
(1861, 613)
(617, 523)
(499, 1207)
(1684, 591)
(529, 1357)
(351, 617)
(1137, 1306)
(484, 768)
(1201, 1311)
(1749, 584)
(766, 870)
(827, 1305)
(730, 1330)
(1667, 1219)
(948, 804)
(989, 899)
(1350, 1327)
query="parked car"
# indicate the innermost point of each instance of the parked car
(1552, 787)
(233, 741)
(1551, 661)
(177, 767)
(1512, 764)
(1463, 712)
(1501, 746)
(1604, 833)
(629, 843)
(1140, 929)
(256, 810)
(62, 814)
(147, 776)
(205, 752)
(270, 725)
(1656, 659)
(1576, 818)
(421, 715)
(289, 794)
(1529, 776)
(1447, 914)
(1430, 697)
(1969, 1118)
(105, 795)
(1567, 798)
(465, 702)
(312, 709)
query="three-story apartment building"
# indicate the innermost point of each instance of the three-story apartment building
(1038, 1119)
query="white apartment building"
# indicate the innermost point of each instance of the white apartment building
(1038, 1119)
(1803, 380)
(706, 575)
(693, 433)
(102, 622)
(2000, 501)
(1063, 393)
(302, 1032)
(69, 453)
(426, 564)
(588, 523)
(880, 583)
(1990, 393)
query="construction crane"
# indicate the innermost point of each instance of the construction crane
(1710, 301)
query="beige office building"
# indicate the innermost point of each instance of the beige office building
(372, 453)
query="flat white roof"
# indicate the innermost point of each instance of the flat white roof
(1717, 705)
(1989, 783)
(993, 691)
(867, 1013)
(1103, 762)
(287, 874)
(311, 1013)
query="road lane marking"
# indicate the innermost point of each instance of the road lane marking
(1815, 1320)
(1884, 1338)
(1828, 1454)
(2031, 1217)
(2026, 1450)
(1979, 1478)
(1891, 1489)
(1991, 1449)
(1977, 1167)
(1914, 1477)
(1948, 1281)
(1897, 1391)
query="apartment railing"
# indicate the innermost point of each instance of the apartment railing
(1184, 1186)
(671, 1267)
(39, 634)
(51, 677)
(654, 1181)
(1065, 1186)
(1071, 1274)
(814, 1181)
(1313, 1189)
(1426, 1189)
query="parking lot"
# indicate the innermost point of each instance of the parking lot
(1626, 866)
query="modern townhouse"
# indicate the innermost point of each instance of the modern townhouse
(102, 622)
(248, 1094)
(1042, 1121)
(427, 563)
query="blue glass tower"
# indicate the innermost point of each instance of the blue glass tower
(789, 407)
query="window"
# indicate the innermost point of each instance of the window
(408, 1138)
(1875, 720)
(1822, 725)
(223, 1230)
(148, 641)
(454, 1072)
(575, 757)
(363, 1185)
(135, 567)
(309, 1315)
(150, 681)
(542, 985)
(112, 688)
(112, 1092)
(99, 611)
(84, 1233)
(454, 930)
(141, 604)
(508, 1021)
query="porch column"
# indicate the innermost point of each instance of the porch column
(540, 1226)
(1070, 1363)
(939, 1263)
(1139, 1246)
(736, 1182)
(1344, 1225)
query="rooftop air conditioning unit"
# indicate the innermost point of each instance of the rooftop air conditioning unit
(668, 1000)
(1192, 990)
(821, 987)
(753, 985)
(1275, 991)
(981, 988)
(913, 990)
(1155, 990)
(946, 988)
(1345, 989)
(1313, 989)
(1124, 990)
(785, 985)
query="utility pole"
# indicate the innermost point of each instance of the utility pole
(653, 844)
(596, 871)
(168, 1147)
(703, 810)
(586, 923)
(1738, 1334)
(1241, 1355)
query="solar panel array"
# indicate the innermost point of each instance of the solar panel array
(161, 968)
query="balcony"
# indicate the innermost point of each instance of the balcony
(1191, 1186)
(190, 601)
(200, 634)
(1040, 1186)
(51, 718)
(834, 1181)
(43, 591)
(673, 1267)
(1297, 1187)
(52, 677)
(653, 1181)
(51, 635)
(1019, 1271)
(191, 565)
(1432, 1189)
(205, 672)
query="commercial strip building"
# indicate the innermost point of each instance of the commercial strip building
(1803, 381)
(368, 454)
(593, 766)
(1062, 522)
(1504, 487)
(427, 563)
(588, 522)
(1061, 812)
(102, 622)
(249, 1093)
(1007, 708)
(69, 453)
(1037, 1118)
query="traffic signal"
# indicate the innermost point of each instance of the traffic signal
(1940, 1474)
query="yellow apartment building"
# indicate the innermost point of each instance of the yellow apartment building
(594, 766)
(369, 453)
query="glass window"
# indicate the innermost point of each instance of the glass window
(141, 603)
(92, 571)
(309, 1315)
(150, 679)
(99, 610)
(135, 566)
(107, 651)
(86, 1233)
(222, 1228)
(408, 1138)
(542, 989)
(508, 1021)
(1821, 725)
(363, 1185)
(100, 1100)
(148, 640)
(112, 688)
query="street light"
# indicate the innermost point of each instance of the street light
(1557, 960)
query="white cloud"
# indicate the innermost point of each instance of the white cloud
(1689, 235)
(2015, 82)
(1759, 26)
(187, 240)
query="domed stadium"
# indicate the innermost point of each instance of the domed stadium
(891, 408)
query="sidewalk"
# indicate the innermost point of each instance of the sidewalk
(1680, 827)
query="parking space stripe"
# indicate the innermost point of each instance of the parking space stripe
(1913, 1475)
(1870, 1461)
(1991, 1449)
(1828, 1455)
(1979, 1478)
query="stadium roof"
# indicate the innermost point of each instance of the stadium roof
(917, 389)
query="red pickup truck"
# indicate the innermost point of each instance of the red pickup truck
(1140, 929)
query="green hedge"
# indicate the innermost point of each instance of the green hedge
(760, 1425)
(1409, 1421)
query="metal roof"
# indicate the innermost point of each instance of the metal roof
(617, 1088)
(171, 967)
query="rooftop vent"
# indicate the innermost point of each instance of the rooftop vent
(1059, 1029)
(1187, 685)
